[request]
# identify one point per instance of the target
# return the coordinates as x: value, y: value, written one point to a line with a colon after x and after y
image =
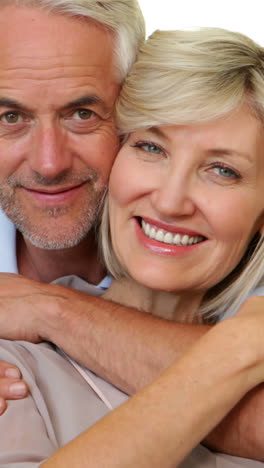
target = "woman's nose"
x: 175, y: 195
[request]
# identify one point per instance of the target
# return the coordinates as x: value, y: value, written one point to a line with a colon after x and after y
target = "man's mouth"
x: 167, y: 237
x: 54, y: 191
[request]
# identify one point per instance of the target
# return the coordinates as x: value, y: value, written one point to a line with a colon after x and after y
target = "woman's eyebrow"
x: 158, y: 132
x: 213, y: 151
x: 229, y: 152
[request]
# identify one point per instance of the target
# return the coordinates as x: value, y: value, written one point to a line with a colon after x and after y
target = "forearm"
x: 161, y: 424
x: 96, y: 332
x: 241, y: 432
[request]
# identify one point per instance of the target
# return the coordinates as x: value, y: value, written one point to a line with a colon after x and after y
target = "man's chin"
x: 47, y: 243
x: 56, y: 229
x: 56, y: 237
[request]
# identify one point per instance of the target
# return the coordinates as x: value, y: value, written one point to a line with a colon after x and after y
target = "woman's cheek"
x: 126, y: 181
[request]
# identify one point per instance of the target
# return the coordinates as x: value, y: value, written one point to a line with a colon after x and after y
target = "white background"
x: 246, y: 16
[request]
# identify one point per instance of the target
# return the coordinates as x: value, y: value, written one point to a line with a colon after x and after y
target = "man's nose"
x: 175, y: 195
x: 49, y: 153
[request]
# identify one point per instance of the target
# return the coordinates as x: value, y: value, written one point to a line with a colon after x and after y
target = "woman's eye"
x: 83, y: 114
x: 149, y: 147
x: 11, y: 117
x: 225, y: 172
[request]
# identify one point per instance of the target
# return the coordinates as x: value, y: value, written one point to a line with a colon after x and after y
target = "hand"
x: 12, y: 387
x: 241, y: 432
x: 25, y: 306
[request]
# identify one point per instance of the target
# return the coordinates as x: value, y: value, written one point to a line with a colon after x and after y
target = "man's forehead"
x: 55, y: 55
x: 32, y: 33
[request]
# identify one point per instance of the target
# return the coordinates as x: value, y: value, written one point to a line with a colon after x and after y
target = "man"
x: 58, y: 83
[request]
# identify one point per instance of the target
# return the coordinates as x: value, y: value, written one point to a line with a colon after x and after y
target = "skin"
x: 190, y: 180
x: 151, y: 194
x: 48, y: 311
x: 170, y: 416
x: 57, y: 138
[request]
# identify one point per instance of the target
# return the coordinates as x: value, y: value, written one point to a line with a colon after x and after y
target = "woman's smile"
x: 176, y: 236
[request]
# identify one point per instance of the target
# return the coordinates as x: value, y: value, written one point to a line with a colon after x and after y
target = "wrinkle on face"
x: 48, y: 62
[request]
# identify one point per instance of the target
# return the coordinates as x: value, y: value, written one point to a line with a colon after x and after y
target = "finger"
x: 3, y: 406
x: 12, y: 389
x: 8, y: 370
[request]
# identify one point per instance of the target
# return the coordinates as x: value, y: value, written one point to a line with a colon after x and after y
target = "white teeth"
x: 145, y: 227
x: 168, y: 237
x: 177, y: 239
x: 152, y: 233
x: 185, y: 240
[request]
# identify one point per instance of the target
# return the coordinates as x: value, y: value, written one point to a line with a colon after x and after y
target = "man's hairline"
x: 118, y: 73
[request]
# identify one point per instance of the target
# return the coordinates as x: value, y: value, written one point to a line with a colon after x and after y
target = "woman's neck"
x: 179, y: 308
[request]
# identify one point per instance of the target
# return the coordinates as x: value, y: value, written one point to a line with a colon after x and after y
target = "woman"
x: 181, y: 81
x: 190, y: 115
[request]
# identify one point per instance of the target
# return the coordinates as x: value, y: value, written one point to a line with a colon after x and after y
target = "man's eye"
x: 83, y: 114
x: 11, y: 117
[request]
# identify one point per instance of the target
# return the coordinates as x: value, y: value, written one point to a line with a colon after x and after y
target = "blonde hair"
x: 123, y: 17
x: 185, y: 77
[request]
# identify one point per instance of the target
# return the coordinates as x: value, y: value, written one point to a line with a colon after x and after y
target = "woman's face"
x: 185, y: 201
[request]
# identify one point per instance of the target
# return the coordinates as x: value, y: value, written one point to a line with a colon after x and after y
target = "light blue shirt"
x: 8, y: 261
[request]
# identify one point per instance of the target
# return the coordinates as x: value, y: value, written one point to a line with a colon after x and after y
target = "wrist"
x: 51, y: 321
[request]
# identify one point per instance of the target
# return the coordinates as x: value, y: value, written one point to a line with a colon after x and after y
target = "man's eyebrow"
x: 87, y: 100
x: 6, y: 102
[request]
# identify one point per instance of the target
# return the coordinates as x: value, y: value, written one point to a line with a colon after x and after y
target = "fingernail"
x: 18, y: 389
x: 12, y: 373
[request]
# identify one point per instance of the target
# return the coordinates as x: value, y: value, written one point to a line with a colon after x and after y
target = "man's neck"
x: 48, y: 265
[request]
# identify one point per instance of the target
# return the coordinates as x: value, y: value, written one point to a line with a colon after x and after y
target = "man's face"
x: 58, y: 85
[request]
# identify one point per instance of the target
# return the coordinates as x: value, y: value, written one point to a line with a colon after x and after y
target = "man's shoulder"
x: 257, y: 292
x: 75, y: 282
x: 8, y: 261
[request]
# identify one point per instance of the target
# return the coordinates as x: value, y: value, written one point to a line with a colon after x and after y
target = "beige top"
x: 61, y: 405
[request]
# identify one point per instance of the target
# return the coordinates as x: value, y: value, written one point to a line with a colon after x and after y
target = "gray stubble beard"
x: 59, y: 240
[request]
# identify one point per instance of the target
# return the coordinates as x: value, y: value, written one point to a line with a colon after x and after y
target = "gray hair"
x: 185, y: 77
x: 123, y: 17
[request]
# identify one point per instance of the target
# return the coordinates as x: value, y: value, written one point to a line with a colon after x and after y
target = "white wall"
x: 238, y: 15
